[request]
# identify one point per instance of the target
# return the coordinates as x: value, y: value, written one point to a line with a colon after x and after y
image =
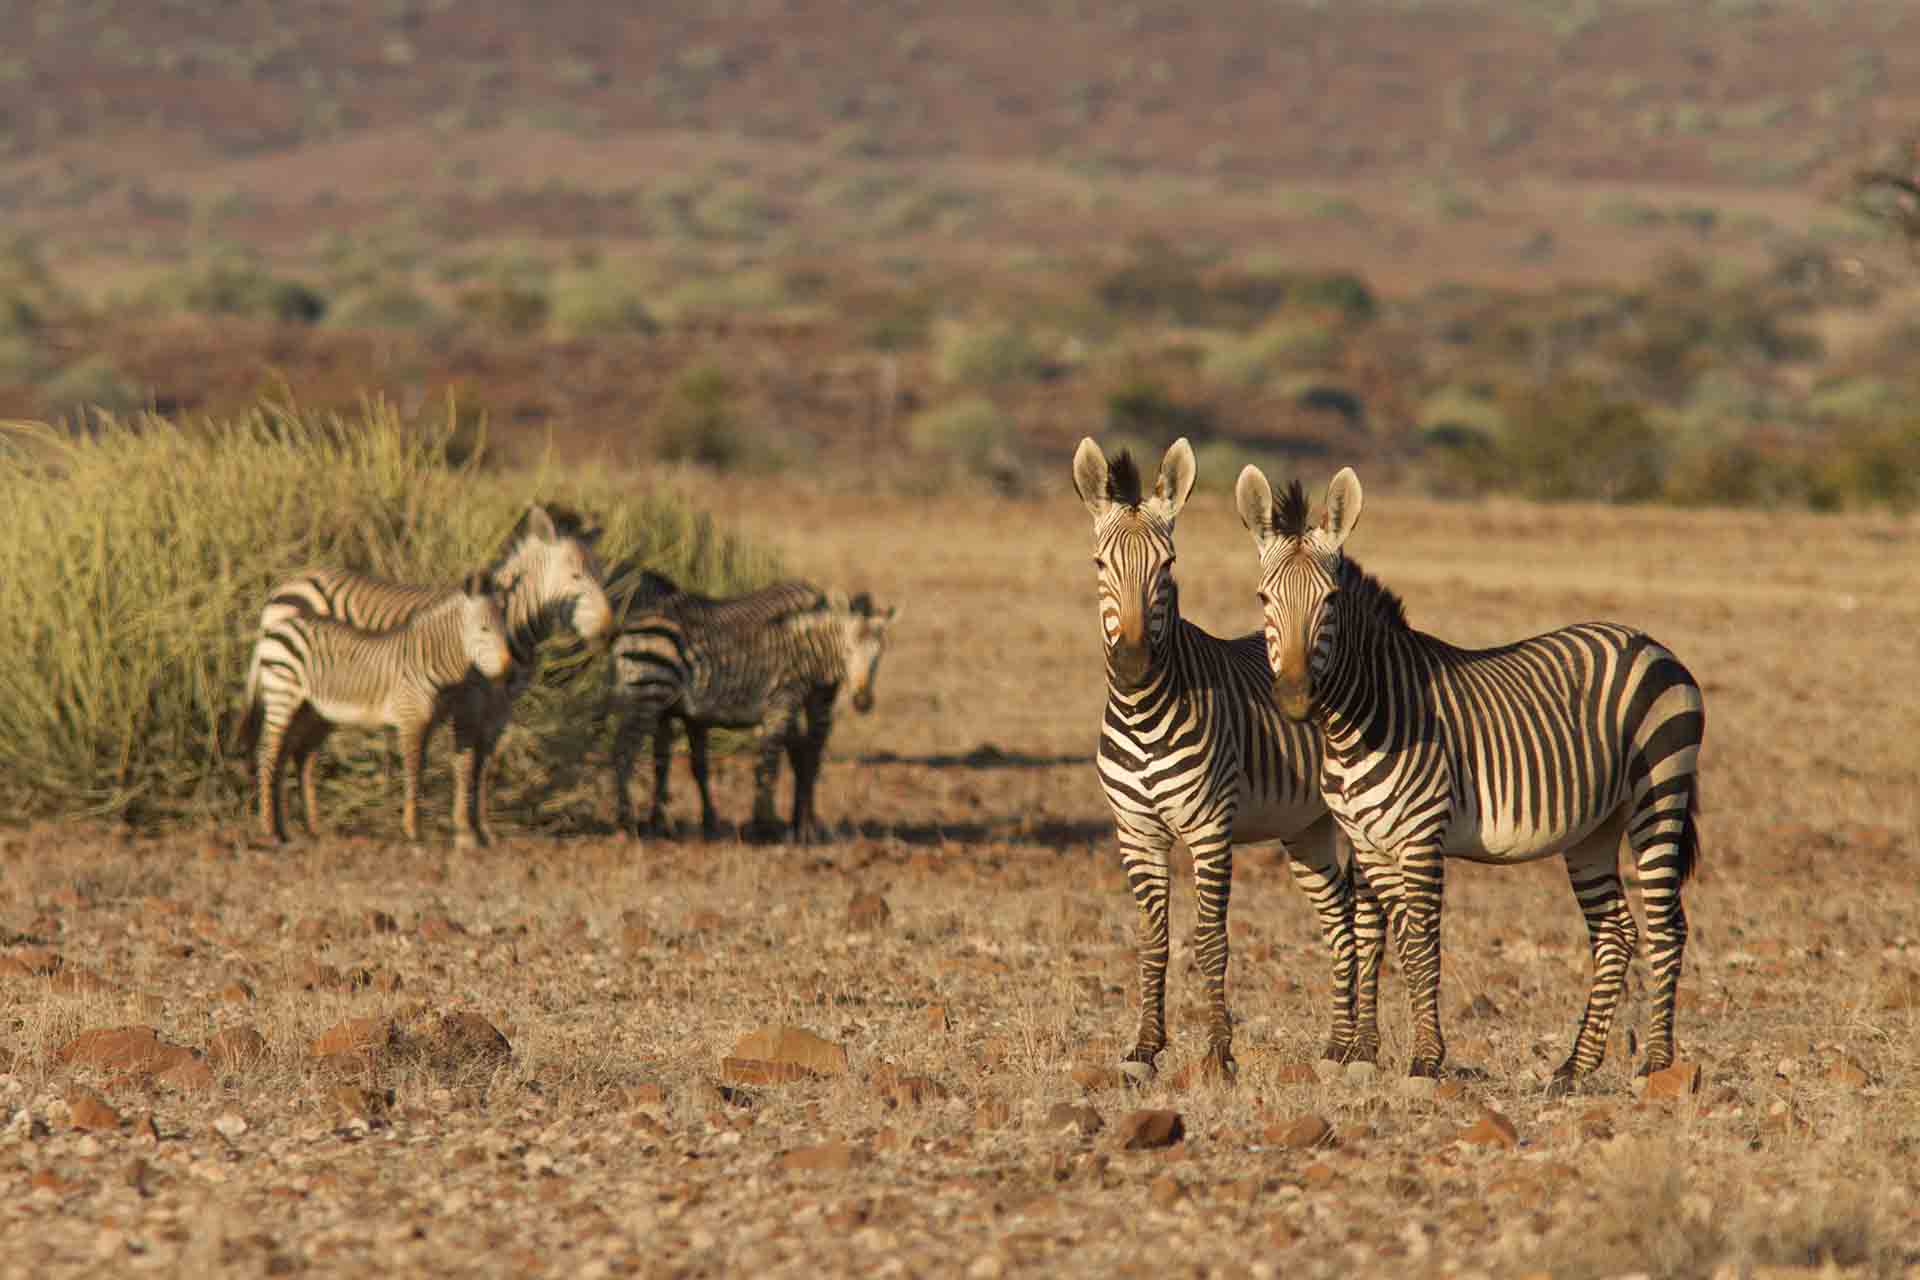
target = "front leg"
x: 468, y: 761
x: 697, y: 761
x: 641, y: 721
x: 1212, y: 889
x: 769, y: 745
x: 804, y: 753
x: 657, y: 821
x: 1423, y: 884
x: 305, y: 736
x: 1143, y: 856
x: 1315, y: 863
x: 413, y: 754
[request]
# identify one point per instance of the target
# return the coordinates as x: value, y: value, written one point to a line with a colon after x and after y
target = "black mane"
x: 1369, y: 593
x: 1123, y: 480
x: 567, y: 521
x: 1290, y: 513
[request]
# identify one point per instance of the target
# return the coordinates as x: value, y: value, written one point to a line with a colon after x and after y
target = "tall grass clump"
x: 141, y: 552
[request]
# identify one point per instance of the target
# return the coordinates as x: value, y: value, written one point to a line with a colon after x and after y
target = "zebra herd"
x: 1341, y: 714
x: 337, y: 647
x: 1339, y: 723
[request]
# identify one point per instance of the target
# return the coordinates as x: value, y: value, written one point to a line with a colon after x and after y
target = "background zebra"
x: 309, y: 674
x: 764, y: 661
x: 555, y: 581
x: 1560, y: 743
x: 1191, y: 748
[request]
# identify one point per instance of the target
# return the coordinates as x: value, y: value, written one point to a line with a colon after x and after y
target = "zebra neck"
x: 437, y: 648
x: 1164, y: 668
x: 1360, y: 681
x: 528, y: 623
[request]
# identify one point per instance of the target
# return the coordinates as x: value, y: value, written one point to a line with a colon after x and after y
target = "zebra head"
x: 1133, y: 552
x: 558, y: 575
x: 863, y: 636
x: 483, y: 624
x: 1300, y: 563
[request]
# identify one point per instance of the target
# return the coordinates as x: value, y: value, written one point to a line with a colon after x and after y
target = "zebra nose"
x: 863, y: 701
x: 1293, y: 698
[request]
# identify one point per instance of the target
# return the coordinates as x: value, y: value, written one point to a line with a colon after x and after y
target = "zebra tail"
x: 248, y: 734
x: 1690, y: 835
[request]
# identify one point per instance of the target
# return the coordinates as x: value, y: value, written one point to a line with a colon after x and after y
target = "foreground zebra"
x: 1192, y: 749
x: 1561, y: 743
x: 555, y: 581
x: 309, y: 674
x: 761, y: 661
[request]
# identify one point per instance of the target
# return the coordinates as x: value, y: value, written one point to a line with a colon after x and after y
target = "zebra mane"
x: 1290, y: 512
x: 1123, y: 480
x: 1371, y: 595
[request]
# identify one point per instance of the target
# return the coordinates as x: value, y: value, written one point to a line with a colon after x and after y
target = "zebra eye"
x: 1100, y: 564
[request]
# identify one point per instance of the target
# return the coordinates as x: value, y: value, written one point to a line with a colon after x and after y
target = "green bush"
x: 393, y: 306
x: 143, y: 552
x: 1570, y: 441
x: 697, y: 421
x: 593, y: 303
x: 973, y: 434
x: 238, y: 288
x: 90, y: 383
x: 987, y: 356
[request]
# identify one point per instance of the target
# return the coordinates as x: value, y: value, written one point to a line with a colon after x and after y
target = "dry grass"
x: 615, y: 968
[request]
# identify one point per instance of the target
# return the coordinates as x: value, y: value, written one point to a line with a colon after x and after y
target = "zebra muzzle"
x: 1293, y: 696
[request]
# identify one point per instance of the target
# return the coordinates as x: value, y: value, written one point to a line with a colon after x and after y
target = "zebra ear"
x: 1176, y: 480
x: 1254, y: 498
x: 540, y: 524
x: 1343, y: 507
x: 1090, y: 477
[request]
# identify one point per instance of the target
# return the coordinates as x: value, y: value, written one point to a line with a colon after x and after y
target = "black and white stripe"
x: 309, y: 674
x: 1191, y: 748
x: 1564, y: 743
x: 764, y: 661
x: 555, y: 582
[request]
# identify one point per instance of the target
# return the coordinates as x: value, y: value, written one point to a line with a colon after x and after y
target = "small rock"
x: 1146, y: 1130
x: 1450, y: 1091
x: 1595, y: 1125
x: 828, y: 1156
x: 1680, y: 1080
x: 1849, y: 1074
x: 362, y: 1039
x: 1296, y: 1073
x: 189, y: 1075
x: 1085, y: 1121
x: 236, y: 1047
x: 938, y: 1019
x: 89, y: 1111
x: 793, y: 1045
x: 139, y: 1050
x: 1095, y: 1079
x: 230, y: 1124
x: 1360, y: 1073
x: 236, y: 992
x: 867, y: 912
x: 463, y: 1038
x: 439, y: 928
x: 1166, y: 1191
x: 1491, y: 1130
x: 1302, y: 1133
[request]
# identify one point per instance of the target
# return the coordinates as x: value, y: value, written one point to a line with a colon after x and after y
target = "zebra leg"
x: 639, y: 722
x: 1315, y: 863
x: 304, y: 738
x: 804, y: 754
x: 697, y: 762
x: 498, y: 704
x: 1143, y: 855
x: 468, y: 758
x: 1370, y: 944
x: 269, y: 753
x: 1666, y: 844
x: 1422, y: 885
x: 768, y: 748
x: 1594, y: 868
x: 1212, y: 891
x: 658, y: 823
x: 413, y: 755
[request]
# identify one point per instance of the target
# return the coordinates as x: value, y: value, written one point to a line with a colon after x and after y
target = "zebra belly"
x: 1274, y: 817
x: 1509, y: 840
x: 362, y: 715
x: 1385, y: 819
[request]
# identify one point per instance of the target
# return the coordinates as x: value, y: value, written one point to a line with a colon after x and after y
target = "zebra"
x: 760, y: 661
x: 1192, y: 749
x: 556, y: 580
x: 1563, y: 743
x: 311, y: 673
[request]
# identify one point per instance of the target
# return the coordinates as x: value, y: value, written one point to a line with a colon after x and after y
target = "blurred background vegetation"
x: 1653, y: 252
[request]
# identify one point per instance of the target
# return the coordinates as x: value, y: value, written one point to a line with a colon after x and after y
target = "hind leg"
x: 268, y: 756
x: 1593, y: 866
x: 1143, y: 855
x: 697, y: 762
x: 1664, y: 843
x: 305, y: 736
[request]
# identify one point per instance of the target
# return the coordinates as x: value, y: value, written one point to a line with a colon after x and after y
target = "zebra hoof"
x: 1138, y: 1074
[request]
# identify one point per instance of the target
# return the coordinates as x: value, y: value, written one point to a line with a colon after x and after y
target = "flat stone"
x: 759, y: 1071
x: 827, y: 1157
x: 463, y: 1038
x: 1064, y: 1116
x: 1303, y: 1132
x: 1296, y: 1073
x: 1491, y: 1130
x: 1147, y: 1130
x: 1680, y: 1080
x: 89, y: 1111
x: 1095, y: 1079
x: 793, y: 1045
x: 138, y: 1050
x: 363, y: 1039
x: 191, y: 1075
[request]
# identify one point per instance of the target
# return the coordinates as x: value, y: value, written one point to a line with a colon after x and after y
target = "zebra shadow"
x: 984, y: 756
